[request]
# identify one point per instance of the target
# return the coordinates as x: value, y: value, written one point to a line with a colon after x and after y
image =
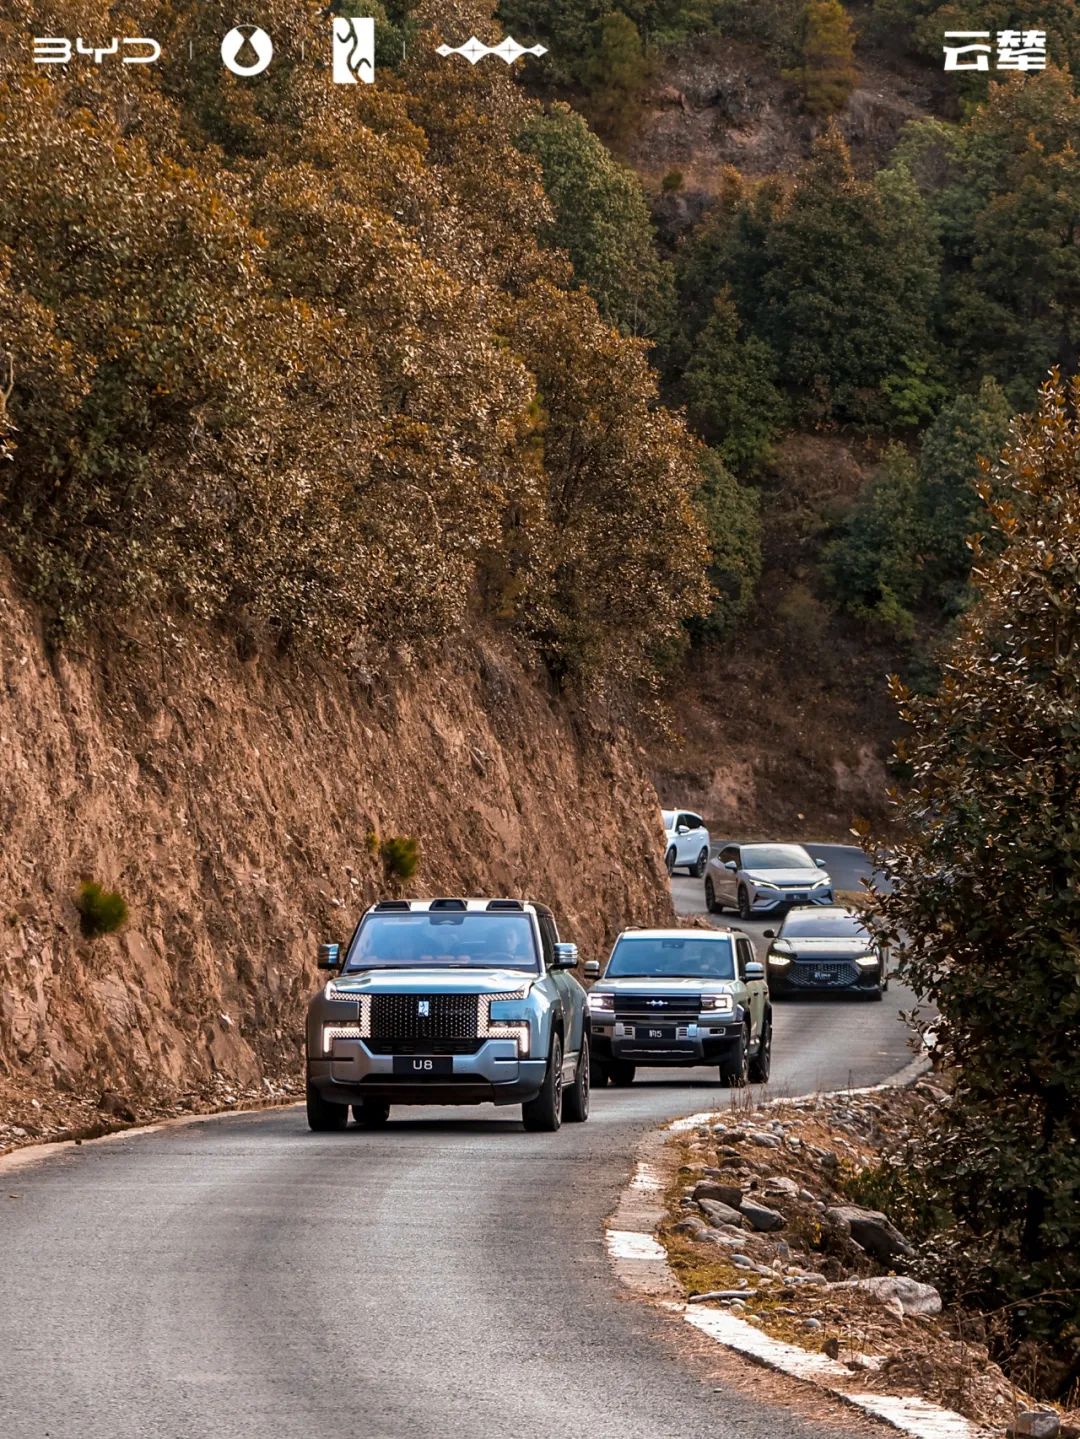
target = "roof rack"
x: 456, y: 904
x: 398, y: 904
x: 515, y: 904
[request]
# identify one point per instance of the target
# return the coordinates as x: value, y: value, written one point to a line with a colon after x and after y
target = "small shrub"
x: 101, y: 911
x: 371, y: 841
x: 672, y: 181
x: 400, y: 856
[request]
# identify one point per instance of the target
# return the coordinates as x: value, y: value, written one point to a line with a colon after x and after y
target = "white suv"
x: 686, y: 841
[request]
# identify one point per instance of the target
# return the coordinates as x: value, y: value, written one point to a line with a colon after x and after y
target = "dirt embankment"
x: 230, y: 802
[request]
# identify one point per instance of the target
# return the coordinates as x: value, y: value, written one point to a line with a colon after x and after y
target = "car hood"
x: 822, y: 948
x: 662, y: 986
x: 786, y: 876
x: 433, y: 981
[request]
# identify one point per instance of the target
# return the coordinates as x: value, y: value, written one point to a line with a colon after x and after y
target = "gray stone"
x: 693, y: 1225
x: 766, y: 1141
x: 871, y: 1231
x: 718, y: 1213
x: 780, y: 1184
x: 719, y: 1294
x: 761, y: 1217
x: 729, y: 1194
x: 811, y: 1324
x: 1036, y: 1424
x: 742, y: 1261
x: 893, y: 1289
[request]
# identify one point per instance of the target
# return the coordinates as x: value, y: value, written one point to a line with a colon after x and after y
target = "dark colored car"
x: 825, y: 949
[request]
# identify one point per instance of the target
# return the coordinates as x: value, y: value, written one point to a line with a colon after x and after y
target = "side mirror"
x: 328, y: 956
x: 592, y: 969
x: 730, y: 864
x: 682, y: 830
x: 820, y: 863
x: 754, y: 970
x: 566, y: 956
x: 768, y: 933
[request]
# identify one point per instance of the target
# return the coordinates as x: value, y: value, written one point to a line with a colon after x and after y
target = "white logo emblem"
x: 247, y: 50
x: 354, y: 51
x: 57, y: 50
x: 423, y: 1008
x: 474, y: 50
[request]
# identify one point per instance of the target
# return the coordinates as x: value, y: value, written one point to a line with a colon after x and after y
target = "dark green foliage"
x: 850, y: 276
x: 618, y: 73
x: 731, y: 393
x: 874, y: 566
x: 919, y: 26
x: 400, y: 855
x: 101, y: 911
x: 730, y: 512
x: 825, y: 74
x: 774, y: 25
x: 601, y: 217
x: 984, y: 903
x: 903, y: 545
x: 972, y: 427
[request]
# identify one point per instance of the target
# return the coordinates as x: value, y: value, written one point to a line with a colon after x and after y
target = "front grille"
x: 449, y: 1016
x: 645, y: 1007
x: 822, y: 974
x: 424, y: 1046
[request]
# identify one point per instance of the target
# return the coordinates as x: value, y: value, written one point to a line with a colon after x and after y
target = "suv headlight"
x: 330, y: 1032
x: 821, y: 883
x: 601, y: 1001
x: 764, y: 884
x: 720, y: 1002
x: 495, y: 1023
x: 868, y: 961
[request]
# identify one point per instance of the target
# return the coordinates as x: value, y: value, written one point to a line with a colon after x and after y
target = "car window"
x: 746, y: 953
x: 695, y: 821
x: 443, y: 940
x: 730, y: 851
x: 547, y: 939
x: 776, y: 856
x: 671, y: 957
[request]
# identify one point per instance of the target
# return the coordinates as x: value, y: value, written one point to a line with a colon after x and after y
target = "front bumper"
x: 769, y: 901
x: 707, y: 1041
x: 807, y: 976
x: 493, y: 1075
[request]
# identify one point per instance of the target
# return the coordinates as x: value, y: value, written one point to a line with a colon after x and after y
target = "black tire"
x: 875, y: 996
x: 745, y: 911
x: 669, y: 860
x: 712, y: 904
x: 544, y: 1113
x: 575, y: 1104
x: 371, y: 1113
x: 735, y: 1070
x: 622, y: 1073
x: 761, y: 1063
x: 322, y: 1116
x: 697, y: 870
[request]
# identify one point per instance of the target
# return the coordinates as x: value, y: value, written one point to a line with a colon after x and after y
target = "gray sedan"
x: 764, y: 878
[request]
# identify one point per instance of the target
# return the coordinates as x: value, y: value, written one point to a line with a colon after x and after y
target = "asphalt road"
x: 445, y: 1276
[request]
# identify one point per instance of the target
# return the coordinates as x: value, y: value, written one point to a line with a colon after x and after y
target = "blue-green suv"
x: 449, y: 1001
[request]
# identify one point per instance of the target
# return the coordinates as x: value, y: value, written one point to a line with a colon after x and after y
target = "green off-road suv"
x: 681, y: 997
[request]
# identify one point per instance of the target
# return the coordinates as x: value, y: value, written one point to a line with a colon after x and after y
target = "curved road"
x: 446, y: 1276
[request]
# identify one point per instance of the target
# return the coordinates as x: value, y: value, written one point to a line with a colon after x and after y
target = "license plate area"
x: 654, y: 1031
x: 423, y: 1066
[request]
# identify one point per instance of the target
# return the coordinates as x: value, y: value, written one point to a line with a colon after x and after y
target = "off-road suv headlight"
x: 494, y: 1023
x: 601, y: 1001
x: 722, y: 1002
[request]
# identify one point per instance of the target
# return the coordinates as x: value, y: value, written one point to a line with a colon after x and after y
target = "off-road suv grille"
x: 403, y: 1016
x: 656, y: 1007
x: 822, y: 974
x: 424, y: 1046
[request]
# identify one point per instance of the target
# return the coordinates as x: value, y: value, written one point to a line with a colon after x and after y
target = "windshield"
x: 824, y: 926
x: 668, y: 816
x: 444, y: 941
x: 689, y: 958
x: 775, y: 856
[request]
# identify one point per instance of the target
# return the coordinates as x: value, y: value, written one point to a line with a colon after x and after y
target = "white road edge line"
x: 640, y: 1262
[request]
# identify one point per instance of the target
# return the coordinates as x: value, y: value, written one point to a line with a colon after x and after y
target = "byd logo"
x: 58, y: 50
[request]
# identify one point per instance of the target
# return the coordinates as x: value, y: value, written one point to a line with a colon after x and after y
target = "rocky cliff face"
x: 230, y: 802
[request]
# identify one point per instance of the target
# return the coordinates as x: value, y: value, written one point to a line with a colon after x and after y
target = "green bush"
x: 400, y: 856
x: 101, y: 911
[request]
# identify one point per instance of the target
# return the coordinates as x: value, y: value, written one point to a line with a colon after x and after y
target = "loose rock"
x: 761, y: 1217
x: 912, y: 1297
x: 1036, y: 1424
x: 719, y: 1213
x: 729, y: 1194
x: 871, y: 1231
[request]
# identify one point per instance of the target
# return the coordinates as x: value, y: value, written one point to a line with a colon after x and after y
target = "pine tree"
x: 826, y: 74
x: 731, y: 393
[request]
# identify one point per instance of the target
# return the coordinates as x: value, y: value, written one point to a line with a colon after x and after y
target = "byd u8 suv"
x: 681, y: 997
x: 449, y: 1001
